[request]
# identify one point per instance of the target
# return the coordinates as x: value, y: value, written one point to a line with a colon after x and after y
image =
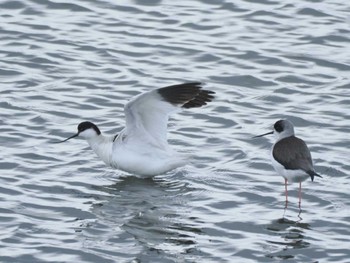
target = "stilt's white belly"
x: 291, y: 175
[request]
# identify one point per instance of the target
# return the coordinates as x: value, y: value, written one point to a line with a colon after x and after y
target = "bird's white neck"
x: 102, y: 146
x: 284, y: 134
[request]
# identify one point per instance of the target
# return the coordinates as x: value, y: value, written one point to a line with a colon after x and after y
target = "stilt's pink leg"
x: 286, y: 191
x: 299, y: 194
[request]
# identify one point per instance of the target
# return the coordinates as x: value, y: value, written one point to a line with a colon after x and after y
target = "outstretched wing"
x: 147, y: 114
x: 293, y: 154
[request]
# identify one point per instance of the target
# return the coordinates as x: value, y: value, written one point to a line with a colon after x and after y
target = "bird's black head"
x: 87, y: 130
x: 85, y: 125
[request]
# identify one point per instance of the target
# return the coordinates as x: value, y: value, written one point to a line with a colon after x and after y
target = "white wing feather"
x: 147, y: 118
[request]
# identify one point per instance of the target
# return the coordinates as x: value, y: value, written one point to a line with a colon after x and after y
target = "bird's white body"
x: 142, y: 148
x: 141, y: 159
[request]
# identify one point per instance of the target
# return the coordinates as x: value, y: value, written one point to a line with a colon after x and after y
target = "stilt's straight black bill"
x: 261, y: 135
x: 75, y: 135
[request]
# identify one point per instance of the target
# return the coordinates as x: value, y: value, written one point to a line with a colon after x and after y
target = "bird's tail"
x: 313, y: 174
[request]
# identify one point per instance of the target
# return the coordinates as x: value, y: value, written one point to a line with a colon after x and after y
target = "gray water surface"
x: 65, y: 62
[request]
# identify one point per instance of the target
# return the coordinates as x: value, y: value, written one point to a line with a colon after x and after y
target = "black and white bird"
x: 290, y: 155
x: 141, y: 147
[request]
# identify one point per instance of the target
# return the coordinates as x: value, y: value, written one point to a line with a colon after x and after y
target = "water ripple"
x: 62, y: 63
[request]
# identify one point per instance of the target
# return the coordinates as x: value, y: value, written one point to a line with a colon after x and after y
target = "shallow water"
x: 62, y: 63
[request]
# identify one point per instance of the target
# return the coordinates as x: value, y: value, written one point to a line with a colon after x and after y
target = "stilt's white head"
x: 281, y: 129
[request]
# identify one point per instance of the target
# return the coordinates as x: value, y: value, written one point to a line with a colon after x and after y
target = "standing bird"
x: 141, y: 147
x: 290, y: 156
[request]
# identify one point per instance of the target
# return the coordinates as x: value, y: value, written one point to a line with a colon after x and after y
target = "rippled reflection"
x: 291, y: 237
x: 153, y: 211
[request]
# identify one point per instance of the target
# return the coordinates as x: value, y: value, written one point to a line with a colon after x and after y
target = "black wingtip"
x: 188, y: 95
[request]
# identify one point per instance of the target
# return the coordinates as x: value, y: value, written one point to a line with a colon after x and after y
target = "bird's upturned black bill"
x: 75, y: 135
x: 261, y: 135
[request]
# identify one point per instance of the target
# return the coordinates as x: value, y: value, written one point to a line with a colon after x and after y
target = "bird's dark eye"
x: 279, y: 127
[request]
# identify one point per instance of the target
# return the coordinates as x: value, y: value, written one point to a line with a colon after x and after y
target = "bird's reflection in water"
x: 291, y: 237
x: 153, y: 211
